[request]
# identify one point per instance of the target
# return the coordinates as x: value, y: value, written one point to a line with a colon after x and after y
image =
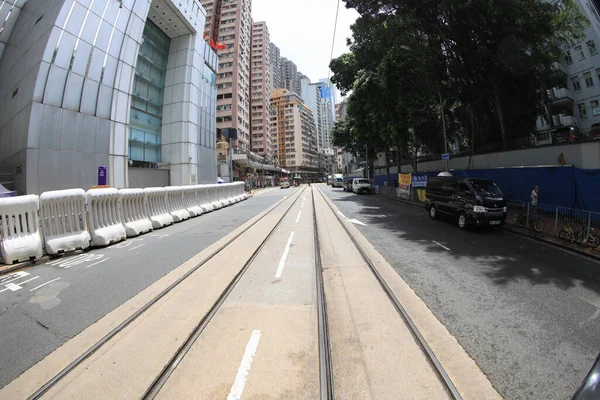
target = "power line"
x: 337, y: 11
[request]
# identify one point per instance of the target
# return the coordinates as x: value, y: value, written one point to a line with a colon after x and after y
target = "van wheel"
x: 433, y: 212
x: 462, y: 220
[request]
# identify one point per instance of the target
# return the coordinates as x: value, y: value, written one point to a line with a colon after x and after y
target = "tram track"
x: 172, y: 364
x: 326, y: 364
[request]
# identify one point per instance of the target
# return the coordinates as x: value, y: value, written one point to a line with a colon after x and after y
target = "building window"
x: 591, y: 47
x: 582, y: 110
x: 576, y: 85
x: 579, y: 51
x: 595, y: 108
x: 589, y: 81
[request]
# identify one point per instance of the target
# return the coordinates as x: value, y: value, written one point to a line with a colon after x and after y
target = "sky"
x: 303, y: 31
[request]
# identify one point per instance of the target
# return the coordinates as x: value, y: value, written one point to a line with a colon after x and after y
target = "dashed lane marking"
x: 44, y: 284
x: 441, y: 245
x: 244, y: 370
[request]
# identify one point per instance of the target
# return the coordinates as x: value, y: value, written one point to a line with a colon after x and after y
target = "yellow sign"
x: 405, y: 179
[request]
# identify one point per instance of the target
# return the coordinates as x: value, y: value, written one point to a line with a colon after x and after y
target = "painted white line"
x: 244, y: 370
x: 13, y: 287
x: 302, y: 206
x: 96, y: 263
x: 343, y: 216
x: 137, y: 247
x: 441, y: 245
x: 284, y: 256
x: 14, y: 277
x: 43, y: 284
x: 355, y: 221
x: 299, y: 214
x: 28, y: 280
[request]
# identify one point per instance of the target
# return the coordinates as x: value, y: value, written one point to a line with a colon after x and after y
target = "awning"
x: 4, y: 192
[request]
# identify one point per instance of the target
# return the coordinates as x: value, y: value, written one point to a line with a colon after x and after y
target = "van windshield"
x: 337, y: 180
x: 362, y: 181
x: 486, y: 188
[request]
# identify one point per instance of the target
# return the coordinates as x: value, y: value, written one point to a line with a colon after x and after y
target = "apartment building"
x: 319, y: 99
x: 296, y: 133
x: 129, y: 86
x: 575, y: 97
x: 229, y: 23
x: 260, y: 91
x: 276, y: 67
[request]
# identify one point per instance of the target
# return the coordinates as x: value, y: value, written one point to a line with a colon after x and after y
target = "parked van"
x: 360, y: 185
x: 475, y: 202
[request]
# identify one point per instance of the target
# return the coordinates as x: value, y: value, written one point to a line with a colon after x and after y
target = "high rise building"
x: 296, y: 133
x: 229, y: 23
x: 276, y: 67
x: 129, y: 85
x: 260, y: 89
x: 318, y: 98
x: 291, y: 76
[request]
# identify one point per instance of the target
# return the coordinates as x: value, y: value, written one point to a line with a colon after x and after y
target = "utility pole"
x: 230, y: 161
x: 444, y: 126
x: 367, y: 162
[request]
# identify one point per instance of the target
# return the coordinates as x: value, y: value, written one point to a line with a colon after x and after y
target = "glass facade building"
x: 130, y: 85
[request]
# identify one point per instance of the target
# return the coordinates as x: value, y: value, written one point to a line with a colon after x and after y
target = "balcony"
x: 561, y: 97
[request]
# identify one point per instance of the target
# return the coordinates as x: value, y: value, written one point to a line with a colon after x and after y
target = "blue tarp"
x: 559, y: 186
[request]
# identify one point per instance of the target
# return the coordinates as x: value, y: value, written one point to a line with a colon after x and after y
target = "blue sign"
x: 325, y: 92
x: 445, y: 157
x: 102, y: 175
x: 419, y: 181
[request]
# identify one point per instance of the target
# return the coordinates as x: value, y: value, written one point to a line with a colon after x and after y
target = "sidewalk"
x: 551, y: 240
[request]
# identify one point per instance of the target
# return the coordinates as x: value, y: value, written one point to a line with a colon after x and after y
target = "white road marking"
x: 343, y: 216
x: 284, y: 256
x: 355, y: 221
x: 28, y: 280
x: 44, y: 284
x: 302, y: 206
x: 159, y: 236
x: 96, y: 263
x: 299, y: 214
x: 12, y: 287
x: 441, y: 245
x: 244, y: 370
x: 137, y: 247
x: 13, y: 277
x: 126, y: 243
x: 76, y: 261
x: 63, y: 261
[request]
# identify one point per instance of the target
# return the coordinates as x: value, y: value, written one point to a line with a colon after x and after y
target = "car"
x: 361, y: 185
x: 469, y: 201
x: 338, y: 182
x: 348, y: 184
x: 285, y: 184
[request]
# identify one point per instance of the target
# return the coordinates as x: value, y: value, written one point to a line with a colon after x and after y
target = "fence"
x: 67, y: 220
x: 569, y: 224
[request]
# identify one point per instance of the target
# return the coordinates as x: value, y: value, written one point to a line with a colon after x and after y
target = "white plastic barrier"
x: 64, y: 220
x: 213, y: 195
x: 136, y: 218
x: 191, y: 202
x: 175, y: 204
x: 106, y: 222
x: 240, y: 192
x: 157, y: 207
x: 20, y: 237
x: 223, y: 190
x: 203, y: 195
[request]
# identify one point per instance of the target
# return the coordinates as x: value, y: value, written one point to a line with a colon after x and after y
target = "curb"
x: 576, y: 249
x: 7, y: 269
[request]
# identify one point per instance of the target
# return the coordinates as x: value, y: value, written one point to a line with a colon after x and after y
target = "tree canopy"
x: 486, y: 60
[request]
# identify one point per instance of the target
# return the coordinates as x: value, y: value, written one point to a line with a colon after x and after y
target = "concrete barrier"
x: 157, y: 207
x: 106, y: 221
x: 64, y: 221
x: 203, y: 195
x: 191, y: 201
x: 136, y: 212
x: 175, y: 204
x: 20, y: 236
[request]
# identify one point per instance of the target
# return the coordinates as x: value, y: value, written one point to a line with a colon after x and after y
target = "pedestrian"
x: 534, y: 198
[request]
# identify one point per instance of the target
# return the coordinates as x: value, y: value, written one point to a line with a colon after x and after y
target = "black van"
x: 477, y: 202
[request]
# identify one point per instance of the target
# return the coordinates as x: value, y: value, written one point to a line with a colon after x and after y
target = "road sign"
x: 102, y: 175
x: 445, y: 157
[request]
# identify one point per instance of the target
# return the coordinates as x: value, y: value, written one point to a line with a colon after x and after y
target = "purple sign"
x: 102, y: 175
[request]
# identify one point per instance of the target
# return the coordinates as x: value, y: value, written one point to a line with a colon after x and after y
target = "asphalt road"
x: 527, y: 313
x: 80, y: 289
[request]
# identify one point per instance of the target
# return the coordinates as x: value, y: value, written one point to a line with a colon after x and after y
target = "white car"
x: 285, y: 184
x: 360, y: 185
